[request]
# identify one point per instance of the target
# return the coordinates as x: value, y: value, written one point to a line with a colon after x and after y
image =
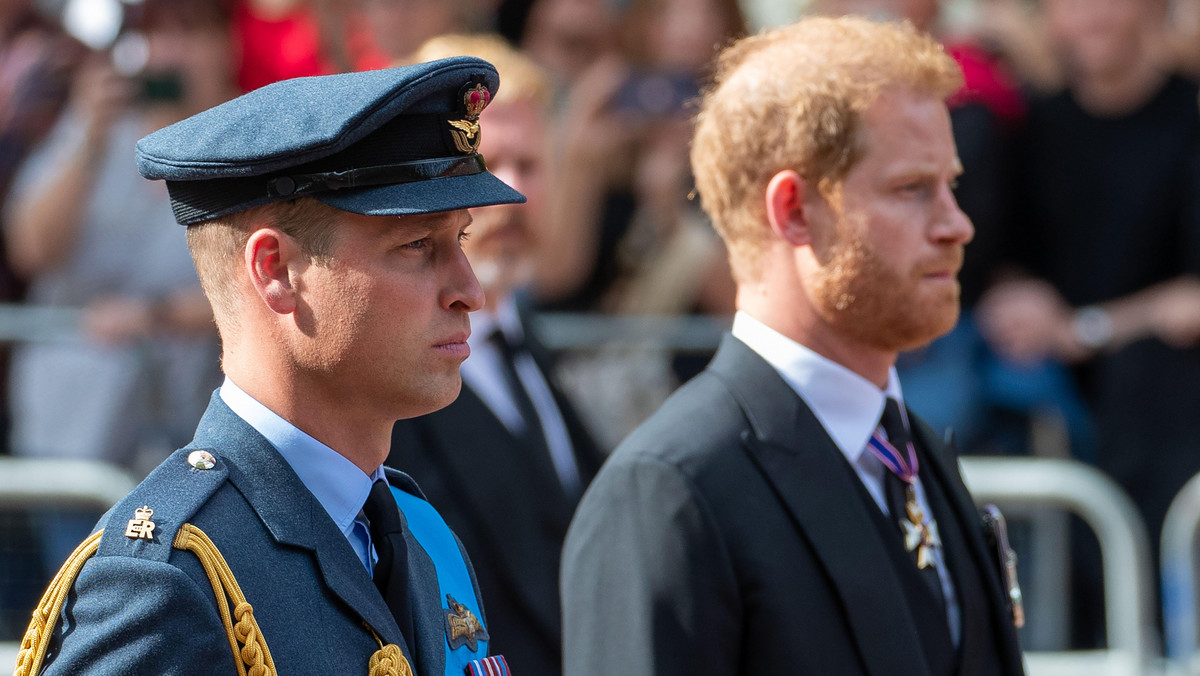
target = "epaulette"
x: 150, y: 523
x: 144, y: 524
x: 177, y: 489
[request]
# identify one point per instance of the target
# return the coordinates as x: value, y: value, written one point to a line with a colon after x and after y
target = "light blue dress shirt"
x: 338, y: 484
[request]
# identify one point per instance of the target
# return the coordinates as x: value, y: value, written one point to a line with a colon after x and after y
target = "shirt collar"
x: 847, y: 405
x: 338, y: 484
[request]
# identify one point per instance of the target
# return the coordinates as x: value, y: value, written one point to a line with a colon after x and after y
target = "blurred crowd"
x: 1078, y: 127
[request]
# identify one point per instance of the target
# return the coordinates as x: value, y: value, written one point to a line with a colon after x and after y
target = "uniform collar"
x: 847, y: 405
x: 338, y: 484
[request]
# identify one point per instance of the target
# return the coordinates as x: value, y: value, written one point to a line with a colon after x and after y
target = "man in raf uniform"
x: 505, y: 464
x: 325, y: 217
x: 783, y: 512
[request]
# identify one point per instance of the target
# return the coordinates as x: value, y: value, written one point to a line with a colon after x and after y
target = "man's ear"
x: 269, y: 256
x: 785, y: 208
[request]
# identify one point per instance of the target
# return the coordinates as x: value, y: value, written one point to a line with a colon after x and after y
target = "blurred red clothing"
x: 276, y: 49
x: 985, y: 81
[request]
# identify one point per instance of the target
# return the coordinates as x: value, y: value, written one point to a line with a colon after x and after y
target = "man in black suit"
x: 783, y: 512
x: 506, y: 463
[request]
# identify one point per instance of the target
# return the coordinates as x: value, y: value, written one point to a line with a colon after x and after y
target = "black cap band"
x: 299, y: 185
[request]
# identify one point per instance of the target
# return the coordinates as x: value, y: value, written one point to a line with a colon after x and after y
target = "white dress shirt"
x: 483, y: 372
x: 849, y: 407
x: 338, y: 484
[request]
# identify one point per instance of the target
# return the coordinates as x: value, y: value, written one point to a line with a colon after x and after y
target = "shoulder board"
x: 144, y: 523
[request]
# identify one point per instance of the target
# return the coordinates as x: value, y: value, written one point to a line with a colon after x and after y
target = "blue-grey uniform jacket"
x: 142, y: 607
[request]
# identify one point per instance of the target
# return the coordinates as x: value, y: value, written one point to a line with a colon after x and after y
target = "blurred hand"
x: 1174, y: 312
x: 1027, y: 320
x: 594, y: 133
x: 100, y: 94
x: 115, y: 320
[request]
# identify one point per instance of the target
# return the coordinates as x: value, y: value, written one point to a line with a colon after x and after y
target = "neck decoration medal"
x: 920, y: 532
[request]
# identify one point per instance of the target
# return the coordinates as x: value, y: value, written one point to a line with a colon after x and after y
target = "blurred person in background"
x: 88, y: 233
x: 393, y: 30
x: 1106, y: 243
x: 632, y: 243
x: 281, y: 39
x: 506, y: 463
x: 569, y: 37
x: 37, y: 65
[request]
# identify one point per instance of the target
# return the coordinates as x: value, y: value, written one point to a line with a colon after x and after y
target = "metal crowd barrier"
x: 78, y: 484
x: 1180, y: 566
x: 1022, y: 487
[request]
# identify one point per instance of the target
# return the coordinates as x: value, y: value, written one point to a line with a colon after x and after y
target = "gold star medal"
x: 920, y: 533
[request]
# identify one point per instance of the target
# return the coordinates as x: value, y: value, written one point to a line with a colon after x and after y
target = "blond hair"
x: 520, y: 77
x: 793, y: 98
x: 217, y: 245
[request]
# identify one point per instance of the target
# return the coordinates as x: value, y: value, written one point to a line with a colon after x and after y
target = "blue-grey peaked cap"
x: 382, y: 143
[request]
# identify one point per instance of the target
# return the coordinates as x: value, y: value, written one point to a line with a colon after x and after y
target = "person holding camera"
x: 87, y: 232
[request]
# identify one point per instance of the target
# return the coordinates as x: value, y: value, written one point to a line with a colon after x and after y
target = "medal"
x: 920, y: 534
x: 920, y: 531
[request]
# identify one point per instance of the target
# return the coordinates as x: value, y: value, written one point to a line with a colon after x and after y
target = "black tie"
x: 895, y: 490
x: 509, y: 351
x: 391, y: 571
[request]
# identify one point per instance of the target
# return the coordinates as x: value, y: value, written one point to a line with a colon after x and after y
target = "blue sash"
x: 438, y: 542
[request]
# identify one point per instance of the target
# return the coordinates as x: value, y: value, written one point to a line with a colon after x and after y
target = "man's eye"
x: 418, y: 244
x: 463, y: 236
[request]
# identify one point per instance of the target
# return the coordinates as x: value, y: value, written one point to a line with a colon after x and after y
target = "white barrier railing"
x: 26, y: 482
x: 1025, y: 485
x: 1180, y: 536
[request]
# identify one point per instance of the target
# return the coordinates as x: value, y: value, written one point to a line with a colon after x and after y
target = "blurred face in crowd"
x: 189, y: 60
x: 922, y: 13
x: 888, y: 259
x: 399, y: 27
x: 566, y: 36
x: 683, y: 35
x: 504, y: 237
x: 381, y: 322
x: 1100, y: 37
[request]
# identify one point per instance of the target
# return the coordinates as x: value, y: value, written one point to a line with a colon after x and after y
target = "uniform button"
x: 201, y: 460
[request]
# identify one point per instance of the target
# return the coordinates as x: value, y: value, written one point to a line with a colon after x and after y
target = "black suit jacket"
x: 728, y: 535
x: 508, y: 507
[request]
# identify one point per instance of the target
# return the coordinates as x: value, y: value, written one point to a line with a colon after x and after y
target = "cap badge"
x: 140, y: 527
x: 466, y: 132
x: 462, y: 627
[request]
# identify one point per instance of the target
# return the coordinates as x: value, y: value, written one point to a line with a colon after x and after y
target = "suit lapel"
x: 291, y: 513
x: 943, y: 462
x: 811, y: 477
x: 505, y: 504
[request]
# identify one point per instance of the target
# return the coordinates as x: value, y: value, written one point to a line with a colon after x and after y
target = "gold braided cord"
x: 45, y: 616
x: 245, y: 639
x: 388, y: 660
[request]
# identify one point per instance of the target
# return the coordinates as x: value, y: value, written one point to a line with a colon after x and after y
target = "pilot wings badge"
x: 466, y: 132
x: 462, y: 627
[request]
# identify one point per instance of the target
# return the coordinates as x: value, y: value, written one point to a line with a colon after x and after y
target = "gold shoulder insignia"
x: 140, y: 527
x: 462, y: 627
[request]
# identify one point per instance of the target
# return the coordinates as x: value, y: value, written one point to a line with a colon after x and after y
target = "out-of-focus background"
x: 1072, y: 381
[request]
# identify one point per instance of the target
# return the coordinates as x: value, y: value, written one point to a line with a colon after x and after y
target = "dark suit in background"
x: 503, y: 498
x: 729, y: 535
